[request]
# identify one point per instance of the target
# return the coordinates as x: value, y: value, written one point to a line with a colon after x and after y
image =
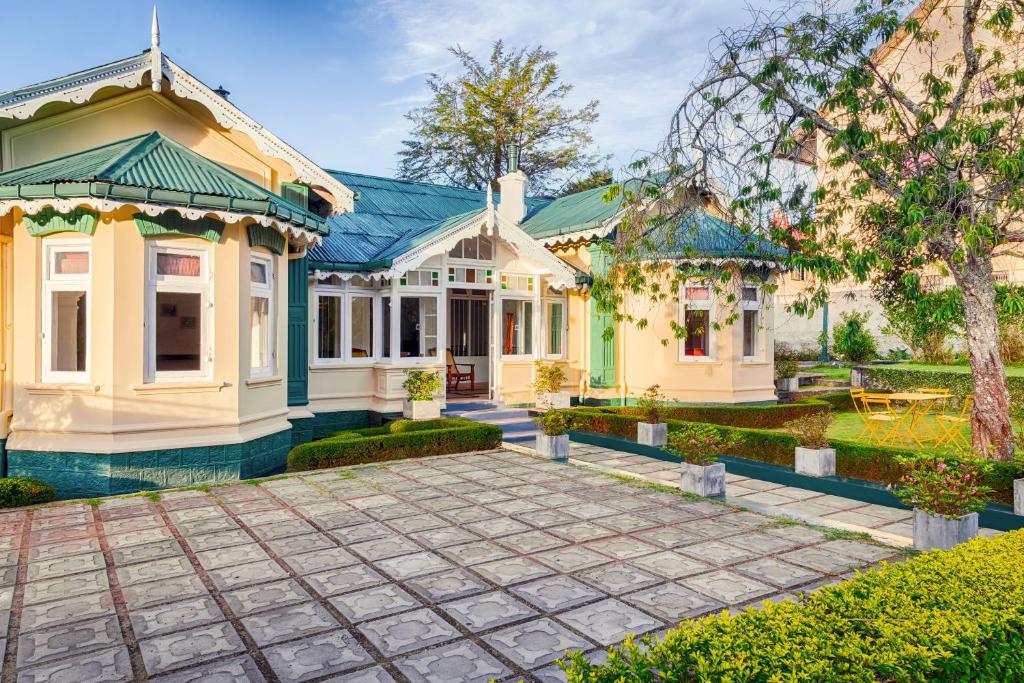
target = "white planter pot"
x: 1018, y: 496
x: 816, y: 462
x: 652, y: 434
x: 556, y: 400
x: 554, y: 447
x: 787, y: 384
x: 935, y: 532
x: 421, y: 410
x: 704, y: 480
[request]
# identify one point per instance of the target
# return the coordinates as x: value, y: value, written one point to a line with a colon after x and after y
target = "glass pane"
x: 418, y: 327
x: 486, y: 252
x: 480, y: 325
x: 697, y: 293
x: 178, y: 331
x: 527, y: 327
x: 469, y: 248
x: 180, y: 265
x: 555, y: 329
x: 696, y: 343
x: 71, y: 263
x: 385, y: 317
x: 516, y: 327
x: 750, y: 293
x: 458, y: 327
x: 259, y: 324
x: 750, y: 333
x: 362, y: 327
x: 67, y: 338
x: 258, y: 272
x: 329, y: 326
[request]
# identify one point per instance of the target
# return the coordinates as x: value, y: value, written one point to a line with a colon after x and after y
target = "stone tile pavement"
x: 461, y: 568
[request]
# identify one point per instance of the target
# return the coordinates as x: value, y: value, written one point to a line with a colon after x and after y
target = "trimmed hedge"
x: 854, y: 460
x: 942, y: 616
x: 18, y: 491
x: 959, y: 382
x: 395, y: 441
x: 755, y: 417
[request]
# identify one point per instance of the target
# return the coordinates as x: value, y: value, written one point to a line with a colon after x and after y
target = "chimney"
x: 512, y: 185
x: 222, y: 91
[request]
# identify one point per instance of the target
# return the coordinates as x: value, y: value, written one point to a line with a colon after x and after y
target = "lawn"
x: 849, y: 427
x: 830, y: 372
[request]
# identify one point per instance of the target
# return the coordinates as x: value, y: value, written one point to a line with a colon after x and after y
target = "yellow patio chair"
x: 952, y: 426
x: 882, y: 422
x: 856, y: 396
x: 924, y: 409
x: 943, y: 395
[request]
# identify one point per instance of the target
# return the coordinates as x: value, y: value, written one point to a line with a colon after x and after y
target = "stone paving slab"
x: 460, y: 568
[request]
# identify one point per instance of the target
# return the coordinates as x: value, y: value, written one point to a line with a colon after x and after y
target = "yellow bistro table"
x: 919, y: 404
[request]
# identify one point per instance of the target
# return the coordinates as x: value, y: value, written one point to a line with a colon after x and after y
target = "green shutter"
x: 49, y: 222
x: 263, y: 236
x: 602, y: 350
x: 298, y: 332
x: 296, y: 194
x: 173, y: 223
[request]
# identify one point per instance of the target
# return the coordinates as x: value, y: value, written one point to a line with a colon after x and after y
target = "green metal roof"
x: 151, y: 168
x: 701, y: 235
x: 584, y: 210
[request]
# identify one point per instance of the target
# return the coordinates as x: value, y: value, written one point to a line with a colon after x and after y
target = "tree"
x: 594, y: 179
x: 911, y: 120
x: 517, y: 96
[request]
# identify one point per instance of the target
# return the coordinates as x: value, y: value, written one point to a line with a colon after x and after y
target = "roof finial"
x: 156, y: 60
x: 490, y: 207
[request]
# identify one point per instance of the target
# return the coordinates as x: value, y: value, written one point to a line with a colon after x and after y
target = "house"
x: 185, y: 296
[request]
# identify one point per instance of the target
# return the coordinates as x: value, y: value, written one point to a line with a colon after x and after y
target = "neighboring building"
x: 185, y: 297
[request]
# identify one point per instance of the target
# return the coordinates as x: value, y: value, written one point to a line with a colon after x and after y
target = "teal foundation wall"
x: 320, y: 425
x: 75, y: 475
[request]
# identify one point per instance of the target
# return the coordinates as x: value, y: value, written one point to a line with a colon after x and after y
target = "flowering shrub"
x: 553, y: 423
x: 700, y: 444
x: 421, y: 385
x: 811, y: 431
x: 549, y: 379
x: 649, y: 404
x: 943, y: 488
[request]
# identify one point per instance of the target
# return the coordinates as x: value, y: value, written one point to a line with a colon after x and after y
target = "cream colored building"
x: 185, y: 296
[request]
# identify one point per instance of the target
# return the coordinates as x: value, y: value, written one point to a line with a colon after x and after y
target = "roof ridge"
x: 404, y: 181
x: 134, y: 154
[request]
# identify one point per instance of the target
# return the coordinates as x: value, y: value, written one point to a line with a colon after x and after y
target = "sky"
x: 334, y: 78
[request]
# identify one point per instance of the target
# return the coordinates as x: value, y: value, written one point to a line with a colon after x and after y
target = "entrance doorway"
x: 469, y: 343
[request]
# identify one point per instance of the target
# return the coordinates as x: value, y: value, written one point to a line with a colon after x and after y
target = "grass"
x: 831, y: 372
x: 848, y: 426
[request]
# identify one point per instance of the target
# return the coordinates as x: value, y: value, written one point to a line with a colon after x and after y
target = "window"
x: 385, y: 316
x: 468, y: 323
x: 261, y: 322
x: 66, y: 286
x: 697, y: 322
x: 517, y: 281
x: 751, y: 308
x: 179, y: 301
x: 516, y: 327
x: 421, y: 278
x: 328, y: 326
x: 417, y: 327
x: 477, y: 248
x: 555, y: 317
x: 361, y: 326
x: 345, y: 324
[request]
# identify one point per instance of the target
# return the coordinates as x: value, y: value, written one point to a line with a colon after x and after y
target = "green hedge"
x: 959, y: 382
x: 956, y: 615
x: 855, y: 460
x: 18, y: 491
x: 395, y: 441
x: 762, y: 417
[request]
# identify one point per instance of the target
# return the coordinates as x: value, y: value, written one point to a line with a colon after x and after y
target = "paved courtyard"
x: 461, y: 568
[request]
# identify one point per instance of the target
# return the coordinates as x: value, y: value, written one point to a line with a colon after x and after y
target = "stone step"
x: 489, y: 415
x: 522, y: 438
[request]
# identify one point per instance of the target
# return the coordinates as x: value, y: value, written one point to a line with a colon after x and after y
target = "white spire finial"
x: 156, y: 74
x: 490, y: 207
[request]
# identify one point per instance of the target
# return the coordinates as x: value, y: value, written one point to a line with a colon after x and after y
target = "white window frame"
x: 266, y: 291
x: 53, y: 282
x: 202, y: 285
x: 438, y: 294
x: 535, y: 305
x: 697, y: 305
x: 754, y: 305
x: 547, y: 303
x: 346, y: 294
x: 463, y: 261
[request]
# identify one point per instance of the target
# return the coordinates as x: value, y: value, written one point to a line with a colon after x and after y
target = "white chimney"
x: 512, y: 185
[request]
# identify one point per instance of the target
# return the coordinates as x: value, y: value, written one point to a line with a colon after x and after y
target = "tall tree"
x: 594, y: 179
x: 516, y: 96
x: 910, y: 117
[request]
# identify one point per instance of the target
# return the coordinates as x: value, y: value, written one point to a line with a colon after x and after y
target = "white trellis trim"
x: 31, y: 206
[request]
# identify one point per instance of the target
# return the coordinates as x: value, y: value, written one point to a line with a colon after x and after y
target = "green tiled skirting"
x: 320, y: 425
x: 101, y: 474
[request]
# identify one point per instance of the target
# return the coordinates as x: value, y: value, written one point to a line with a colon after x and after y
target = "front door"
x: 469, y: 340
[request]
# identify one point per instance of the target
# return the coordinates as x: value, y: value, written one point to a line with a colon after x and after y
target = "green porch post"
x: 298, y: 335
x: 823, y: 358
x: 602, y: 350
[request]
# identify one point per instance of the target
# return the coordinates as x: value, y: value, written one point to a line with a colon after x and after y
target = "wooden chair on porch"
x: 456, y: 375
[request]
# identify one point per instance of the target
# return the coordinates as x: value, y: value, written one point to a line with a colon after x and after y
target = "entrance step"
x: 515, y: 423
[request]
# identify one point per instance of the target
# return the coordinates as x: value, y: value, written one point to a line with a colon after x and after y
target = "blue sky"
x: 334, y: 77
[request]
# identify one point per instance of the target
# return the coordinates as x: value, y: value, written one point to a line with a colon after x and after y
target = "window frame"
x: 520, y: 300
x: 266, y: 291
x: 465, y: 261
x: 751, y: 305
x: 51, y: 283
x: 202, y: 285
x: 547, y: 303
x: 707, y: 305
x: 346, y: 293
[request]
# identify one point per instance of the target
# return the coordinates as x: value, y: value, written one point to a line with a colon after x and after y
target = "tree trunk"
x: 990, y: 423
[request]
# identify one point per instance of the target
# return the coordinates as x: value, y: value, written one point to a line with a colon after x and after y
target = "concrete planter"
x: 421, y: 410
x: 704, y: 480
x: 556, y: 400
x: 816, y: 462
x: 554, y: 447
x: 1018, y: 496
x: 787, y: 384
x: 935, y: 532
x: 652, y: 434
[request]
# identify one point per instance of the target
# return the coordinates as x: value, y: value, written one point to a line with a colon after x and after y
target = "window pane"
x: 329, y: 326
x: 67, y: 338
x: 385, y: 317
x: 750, y: 333
x: 696, y: 343
x: 459, y: 327
x: 259, y: 324
x: 486, y: 251
x: 750, y: 293
x: 180, y: 265
x: 527, y: 327
x: 480, y: 335
x: 697, y: 293
x: 418, y: 320
x: 517, y: 327
x: 258, y: 272
x: 555, y: 329
x: 71, y: 263
x: 362, y: 327
x: 178, y: 331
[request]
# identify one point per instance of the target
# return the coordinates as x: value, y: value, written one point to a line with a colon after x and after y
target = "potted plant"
x: 421, y: 388
x: 813, y: 456
x: 786, y: 369
x: 553, y: 440
x: 946, y: 497
x: 699, y: 446
x: 652, y: 431
x: 547, y: 386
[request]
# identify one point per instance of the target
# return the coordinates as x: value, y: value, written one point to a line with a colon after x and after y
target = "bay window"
x: 696, y: 321
x: 361, y: 326
x: 178, y: 320
x: 345, y: 322
x: 417, y: 327
x: 555, y: 319
x: 261, y: 321
x: 66, y: 306
x: 516, y: 327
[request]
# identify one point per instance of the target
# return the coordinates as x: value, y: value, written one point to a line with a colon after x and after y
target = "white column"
x: 394, y: 322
